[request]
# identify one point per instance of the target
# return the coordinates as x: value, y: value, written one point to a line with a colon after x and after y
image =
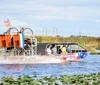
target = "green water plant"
x: 82, y: 79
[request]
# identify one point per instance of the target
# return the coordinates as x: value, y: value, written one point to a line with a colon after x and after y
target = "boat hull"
x: 42, y: 59
x: 72, y: 56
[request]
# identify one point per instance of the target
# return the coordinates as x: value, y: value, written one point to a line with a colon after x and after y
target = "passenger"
x: 54, y: 49
x: 29, y: 41
x: 58, y: 50
x: 48, y: 50
x: 26, y: 44
x: 63, y: 49
x: 68, y: 49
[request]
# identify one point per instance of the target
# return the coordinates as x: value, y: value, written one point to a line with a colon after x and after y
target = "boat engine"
x: 15, y: 42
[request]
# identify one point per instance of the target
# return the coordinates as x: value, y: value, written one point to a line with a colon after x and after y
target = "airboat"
x: 19, y: 44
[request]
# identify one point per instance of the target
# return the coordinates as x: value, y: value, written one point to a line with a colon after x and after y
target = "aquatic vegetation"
x: 83, y: 79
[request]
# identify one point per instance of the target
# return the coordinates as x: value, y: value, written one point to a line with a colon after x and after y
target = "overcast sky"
x: 70, y: 17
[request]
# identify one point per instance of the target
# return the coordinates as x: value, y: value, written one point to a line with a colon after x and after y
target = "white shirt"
x: 48, y: 50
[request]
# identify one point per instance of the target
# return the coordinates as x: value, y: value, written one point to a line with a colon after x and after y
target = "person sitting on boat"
x: 29, y: 41
x: 63, y: 50
x: 26, y: 44
x: 48, y: 50
x: 58, y: 50
x: 68, y: 49
x: 54, y: 49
